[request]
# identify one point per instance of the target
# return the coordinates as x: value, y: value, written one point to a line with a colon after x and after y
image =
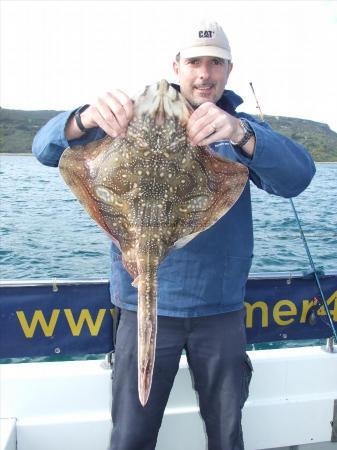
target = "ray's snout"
x: 163, y: 87
x: 162, y: 101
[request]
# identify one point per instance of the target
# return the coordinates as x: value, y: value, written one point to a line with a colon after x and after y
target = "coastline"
x: 16, y: 154
x: 30, y: 154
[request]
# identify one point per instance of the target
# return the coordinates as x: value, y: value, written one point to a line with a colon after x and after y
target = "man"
x: 200, y: 286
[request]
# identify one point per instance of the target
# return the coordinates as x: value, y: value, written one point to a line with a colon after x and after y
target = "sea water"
x: 45, y: 232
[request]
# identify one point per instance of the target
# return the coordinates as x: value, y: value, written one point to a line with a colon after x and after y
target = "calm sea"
x: 45, y: 233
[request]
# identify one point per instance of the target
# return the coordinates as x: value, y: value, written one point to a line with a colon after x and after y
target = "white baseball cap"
x: 205, y: 39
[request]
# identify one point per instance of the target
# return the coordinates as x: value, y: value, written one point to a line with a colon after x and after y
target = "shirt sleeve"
x: 50, y: 141
x: 279, y: 165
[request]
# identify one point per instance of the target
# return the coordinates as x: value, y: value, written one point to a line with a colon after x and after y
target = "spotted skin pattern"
x: 152, y: 191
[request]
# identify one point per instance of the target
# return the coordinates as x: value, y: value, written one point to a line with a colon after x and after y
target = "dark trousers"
x: 216, y: 352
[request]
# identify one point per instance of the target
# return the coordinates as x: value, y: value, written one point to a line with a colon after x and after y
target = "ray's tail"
x: 147, y: 331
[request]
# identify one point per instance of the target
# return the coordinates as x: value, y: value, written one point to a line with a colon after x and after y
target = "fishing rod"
x: 312, y: 264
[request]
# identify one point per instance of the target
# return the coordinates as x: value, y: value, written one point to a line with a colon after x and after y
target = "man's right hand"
x: 112, y: 112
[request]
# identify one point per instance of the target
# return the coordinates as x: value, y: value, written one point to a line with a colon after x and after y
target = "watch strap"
x: 248, y: 133
x: 78, y: 119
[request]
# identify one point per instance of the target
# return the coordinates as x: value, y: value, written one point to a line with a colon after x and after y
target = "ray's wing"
x: 85, y: 169
x: 216, y: 186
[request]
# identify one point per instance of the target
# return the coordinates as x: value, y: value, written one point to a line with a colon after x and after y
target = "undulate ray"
x: 152, y: 191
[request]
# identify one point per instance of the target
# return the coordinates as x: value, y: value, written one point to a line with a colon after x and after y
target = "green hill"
x: 317, y: 137
x: 17, y: 129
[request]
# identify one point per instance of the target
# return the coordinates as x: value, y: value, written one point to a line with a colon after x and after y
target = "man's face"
x: 202, y: 79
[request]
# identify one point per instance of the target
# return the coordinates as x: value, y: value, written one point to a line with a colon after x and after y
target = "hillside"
x: 317, y: 137
x: 17, y: 129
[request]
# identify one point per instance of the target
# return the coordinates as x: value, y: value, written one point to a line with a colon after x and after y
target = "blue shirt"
x: 208, y: 275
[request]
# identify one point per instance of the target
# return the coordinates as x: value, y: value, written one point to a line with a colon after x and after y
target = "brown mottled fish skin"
x: 152, y: 191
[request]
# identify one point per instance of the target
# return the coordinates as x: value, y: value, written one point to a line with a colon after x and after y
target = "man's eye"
x: 193, y: 61
x: 218, y: 62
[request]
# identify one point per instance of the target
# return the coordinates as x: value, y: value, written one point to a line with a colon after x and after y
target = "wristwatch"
x: 79, y: 120
x: 248, y: 133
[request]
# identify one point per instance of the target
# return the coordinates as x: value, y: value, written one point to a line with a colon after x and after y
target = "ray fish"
x: 152, y: 191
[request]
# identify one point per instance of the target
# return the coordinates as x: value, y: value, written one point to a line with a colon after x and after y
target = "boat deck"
x: 66, y: 405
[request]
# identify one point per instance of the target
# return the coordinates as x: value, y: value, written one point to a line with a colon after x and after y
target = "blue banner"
x: 289, y: 308
x: 77, y: 318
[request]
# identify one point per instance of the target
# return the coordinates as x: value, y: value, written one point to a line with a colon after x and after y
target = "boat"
x: 61, y: 398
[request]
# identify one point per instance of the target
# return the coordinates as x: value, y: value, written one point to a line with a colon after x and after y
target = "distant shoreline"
x: 30, y: 154
x: 16, y: 154
x: 19, y: 128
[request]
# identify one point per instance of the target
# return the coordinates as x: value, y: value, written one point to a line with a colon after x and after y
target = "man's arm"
x: 277, y: 164
x: 110, y: 114
x: 50, y: 141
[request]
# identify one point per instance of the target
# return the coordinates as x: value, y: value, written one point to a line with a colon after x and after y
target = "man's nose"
x: 204, y: 72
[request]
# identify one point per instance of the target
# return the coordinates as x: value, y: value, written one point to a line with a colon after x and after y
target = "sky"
x: 62, y: 54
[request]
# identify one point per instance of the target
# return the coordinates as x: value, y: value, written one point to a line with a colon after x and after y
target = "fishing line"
x: 325, y: 304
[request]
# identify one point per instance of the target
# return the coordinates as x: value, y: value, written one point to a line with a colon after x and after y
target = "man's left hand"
x: 209, y: 124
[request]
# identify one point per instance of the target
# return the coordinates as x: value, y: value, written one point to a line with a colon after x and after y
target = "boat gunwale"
x: 72, y: 281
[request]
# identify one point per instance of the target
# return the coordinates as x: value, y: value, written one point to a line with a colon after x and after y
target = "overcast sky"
x: 58, y: 55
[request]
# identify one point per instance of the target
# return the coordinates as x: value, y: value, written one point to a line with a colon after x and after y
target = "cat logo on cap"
x: 206, y: 34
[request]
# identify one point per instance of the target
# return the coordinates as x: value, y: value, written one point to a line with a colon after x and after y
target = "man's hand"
x: 209, y: 124
x: 112, y: 112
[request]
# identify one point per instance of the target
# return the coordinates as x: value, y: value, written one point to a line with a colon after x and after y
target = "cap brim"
x: 206, y: 50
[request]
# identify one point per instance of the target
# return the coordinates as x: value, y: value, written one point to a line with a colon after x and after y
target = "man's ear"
x: 176, y: 68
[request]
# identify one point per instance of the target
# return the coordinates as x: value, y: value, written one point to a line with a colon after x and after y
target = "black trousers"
x: 216, y: 352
